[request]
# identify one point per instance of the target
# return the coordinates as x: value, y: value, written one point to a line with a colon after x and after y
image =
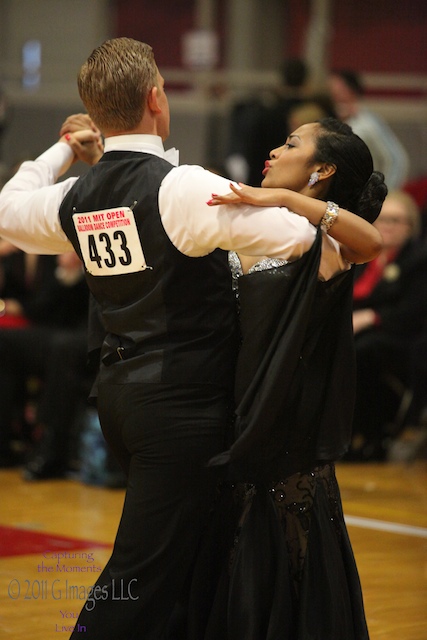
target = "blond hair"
x: 114, y: 83
x: 305, y: 113
x: 412, y: 209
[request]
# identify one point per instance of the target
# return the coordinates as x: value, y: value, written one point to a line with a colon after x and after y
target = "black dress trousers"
x: 163, y: 436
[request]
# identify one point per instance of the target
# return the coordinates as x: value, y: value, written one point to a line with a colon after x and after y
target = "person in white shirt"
x: 388, y: 153
x: 155, y: 257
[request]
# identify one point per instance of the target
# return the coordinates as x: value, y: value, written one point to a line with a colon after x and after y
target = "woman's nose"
x: 275, y: 153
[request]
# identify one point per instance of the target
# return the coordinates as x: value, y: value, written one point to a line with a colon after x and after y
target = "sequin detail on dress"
x: 294, y: 499
x: 262, y: 265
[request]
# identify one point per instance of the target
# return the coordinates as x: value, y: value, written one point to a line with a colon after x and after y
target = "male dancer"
x: 155, y: 259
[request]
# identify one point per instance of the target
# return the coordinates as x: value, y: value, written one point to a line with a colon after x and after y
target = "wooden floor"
x: 386, y: 511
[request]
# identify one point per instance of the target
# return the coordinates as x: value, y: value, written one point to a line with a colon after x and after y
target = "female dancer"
x: 283, y: 567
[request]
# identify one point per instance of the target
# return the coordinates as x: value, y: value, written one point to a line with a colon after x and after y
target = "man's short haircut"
x: 114, y: 83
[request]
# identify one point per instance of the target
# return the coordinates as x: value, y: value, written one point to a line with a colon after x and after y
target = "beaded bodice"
x: 262, y: 265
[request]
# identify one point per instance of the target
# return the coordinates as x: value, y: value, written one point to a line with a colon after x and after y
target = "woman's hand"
x: 250, y: 195
x: 86, y: 144
x: 78, y: 122
x: 84, y: 138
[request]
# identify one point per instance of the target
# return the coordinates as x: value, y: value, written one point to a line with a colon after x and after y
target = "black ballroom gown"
x: 277, y: 562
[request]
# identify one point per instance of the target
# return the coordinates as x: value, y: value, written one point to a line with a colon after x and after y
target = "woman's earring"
x: 313, y: 179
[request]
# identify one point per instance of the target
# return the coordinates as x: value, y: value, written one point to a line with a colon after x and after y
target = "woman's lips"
x: 266, y: 168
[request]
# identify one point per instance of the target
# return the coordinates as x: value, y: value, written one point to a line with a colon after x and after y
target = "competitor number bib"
x: 109, y: 242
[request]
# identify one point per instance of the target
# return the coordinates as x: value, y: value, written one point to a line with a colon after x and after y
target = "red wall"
x: 160, y: 23
x: 367, y: 35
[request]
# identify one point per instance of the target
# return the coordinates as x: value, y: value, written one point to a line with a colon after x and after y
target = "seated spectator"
x: 71, y: 439
x: 18, y: 274
x: 66, y: 383
x: 390, y: 307
x: 417, y: 415
x: 42, y: 295
x: 417, y: 188
x: 388, y: 153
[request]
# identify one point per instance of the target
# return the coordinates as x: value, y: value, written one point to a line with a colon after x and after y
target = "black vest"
x: 173, y: 322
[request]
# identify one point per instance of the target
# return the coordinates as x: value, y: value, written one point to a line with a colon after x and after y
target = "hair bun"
x: 372, y: 197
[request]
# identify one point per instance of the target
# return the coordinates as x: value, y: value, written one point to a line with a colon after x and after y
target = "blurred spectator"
x: 388, y: 153
x: 16, y: 275
x: 65, y: 386
x: 309, y: 110
x: 417, y: 188
x: 390, y: 311
x: 418, y: 380
x: 71, y: 438
x: 42, y: 295
x: 260, y: 124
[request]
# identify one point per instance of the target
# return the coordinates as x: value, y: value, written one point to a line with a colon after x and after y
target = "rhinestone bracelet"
x: 331, y: 214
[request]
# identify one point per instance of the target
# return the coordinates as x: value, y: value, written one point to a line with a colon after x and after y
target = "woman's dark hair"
x: 354, y: 186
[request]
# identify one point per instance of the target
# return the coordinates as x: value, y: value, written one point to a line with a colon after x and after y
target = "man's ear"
x: 152, y: 101
x: 326, y: 170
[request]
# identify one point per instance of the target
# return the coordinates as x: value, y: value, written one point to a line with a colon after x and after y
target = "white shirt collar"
x: 143, y: 143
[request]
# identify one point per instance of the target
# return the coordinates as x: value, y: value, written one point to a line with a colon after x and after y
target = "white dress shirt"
x: 30, y: 202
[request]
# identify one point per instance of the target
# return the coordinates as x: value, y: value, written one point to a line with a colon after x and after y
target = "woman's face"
x: 291, y: 165
x: 394, y: 224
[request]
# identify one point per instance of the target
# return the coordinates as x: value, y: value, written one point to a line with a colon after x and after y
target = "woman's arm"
x: 360, y: 240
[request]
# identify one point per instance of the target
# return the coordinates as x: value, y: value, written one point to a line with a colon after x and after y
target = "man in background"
x: 388, y: 153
